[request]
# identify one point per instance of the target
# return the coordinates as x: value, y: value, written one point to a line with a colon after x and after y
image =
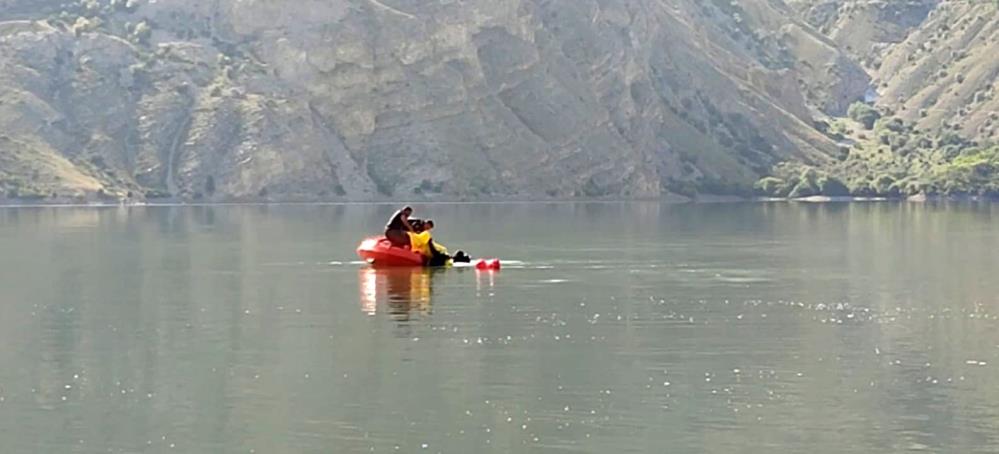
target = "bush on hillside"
x: 806, y: 184
x: 832, y: 187
x: 804, y: 188
x: 142, y: 32
x: 770, y: 187
x: 893, y: 124
x: 864, y: 114
x: 861, y: 188
x: 884, y: 185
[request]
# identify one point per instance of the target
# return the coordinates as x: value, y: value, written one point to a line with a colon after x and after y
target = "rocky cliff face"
x: 94, y: 113
x: 368, y: 99
x: 338, y: 99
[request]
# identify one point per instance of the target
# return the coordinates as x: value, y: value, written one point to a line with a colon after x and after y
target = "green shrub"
x: 950, y: 138
x: 84, y: 25
x: 142, y: 32
x: 899, y: 142
x: 717, y: 186
x: 864, y: 114
x: 832, y: 187
x: 892, y: 124
x: 913, y: 187
x: 806, y: 187
x: 803, y: 189
x: 771, y: 187
x: 861, y: 188
x: 884, y: 185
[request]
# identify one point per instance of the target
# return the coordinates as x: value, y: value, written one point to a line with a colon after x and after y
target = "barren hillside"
x: 368, y: 99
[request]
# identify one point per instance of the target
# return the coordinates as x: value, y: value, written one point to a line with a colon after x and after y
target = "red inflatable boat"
x: 378, y: 251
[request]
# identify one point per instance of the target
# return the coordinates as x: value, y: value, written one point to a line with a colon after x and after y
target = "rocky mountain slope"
x: 934, y: 62
x: 945, y: 72
x: 369, y: 99
x: 865, y: 29
x: 933, y: 119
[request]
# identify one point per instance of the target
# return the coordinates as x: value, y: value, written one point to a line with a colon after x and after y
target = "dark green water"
x: 841, y: 328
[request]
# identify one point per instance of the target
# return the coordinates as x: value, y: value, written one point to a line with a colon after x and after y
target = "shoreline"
x: 708, y: 199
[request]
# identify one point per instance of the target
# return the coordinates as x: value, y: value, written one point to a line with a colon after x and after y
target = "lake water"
x: 633, y: 327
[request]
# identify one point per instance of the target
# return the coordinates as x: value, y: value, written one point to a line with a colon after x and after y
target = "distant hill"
x: 222, y: 100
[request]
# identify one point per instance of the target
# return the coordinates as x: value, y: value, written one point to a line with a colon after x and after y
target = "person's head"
x: 407, y: 210
x: 428, y: 224
x: 418, y: 225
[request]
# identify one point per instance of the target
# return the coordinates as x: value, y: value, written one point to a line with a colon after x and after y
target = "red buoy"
x: 487, y: 264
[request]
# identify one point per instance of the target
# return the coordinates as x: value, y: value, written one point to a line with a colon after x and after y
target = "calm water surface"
x: 841, y: 328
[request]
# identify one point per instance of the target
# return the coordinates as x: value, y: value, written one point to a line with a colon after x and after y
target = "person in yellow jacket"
x: 422, y: 242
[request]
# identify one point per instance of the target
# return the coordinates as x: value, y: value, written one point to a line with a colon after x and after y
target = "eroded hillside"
x: 932, y: 119
x: 362, y: 99
x: 368, y: 99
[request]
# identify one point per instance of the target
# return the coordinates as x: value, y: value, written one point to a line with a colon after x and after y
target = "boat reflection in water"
x: 398, y: 291
x: 404, y: 291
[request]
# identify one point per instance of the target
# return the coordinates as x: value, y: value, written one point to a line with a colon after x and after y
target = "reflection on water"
x: 849, y: 328
x: 400, y: 292
x: 485, y: 281
x: 404, y: 291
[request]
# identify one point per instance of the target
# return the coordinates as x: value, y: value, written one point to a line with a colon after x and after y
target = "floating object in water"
x: 487, y: 264
x: 379, y: 252
x: 461, y: 257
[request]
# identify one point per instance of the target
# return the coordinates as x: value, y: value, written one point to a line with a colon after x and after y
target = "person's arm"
x: 405, y: 222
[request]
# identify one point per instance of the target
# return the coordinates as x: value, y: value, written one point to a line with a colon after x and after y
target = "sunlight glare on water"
x: 613, y: 327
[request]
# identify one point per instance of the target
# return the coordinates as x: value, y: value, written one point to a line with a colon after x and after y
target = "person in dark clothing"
x: 438, y: 255
x: 437, y: 258
x: 461, y: 257
x: 398, y: 226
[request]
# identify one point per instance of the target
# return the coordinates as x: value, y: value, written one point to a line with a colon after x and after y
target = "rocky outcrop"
x: 163, y: 121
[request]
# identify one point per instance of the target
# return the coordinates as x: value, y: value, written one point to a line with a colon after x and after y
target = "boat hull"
x: 378, y: 251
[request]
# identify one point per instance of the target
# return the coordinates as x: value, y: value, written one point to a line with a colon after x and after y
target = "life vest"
x: 420, y: 242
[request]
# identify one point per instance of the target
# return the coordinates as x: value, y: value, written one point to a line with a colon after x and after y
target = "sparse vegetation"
x: 797, y: 181
x: 427, y: 187
x: 901, y: 161
x: 863, y: 114
x: 712, y: 125
x: 15, y: 187
x: 770, y: 187
x: 142, y: 32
